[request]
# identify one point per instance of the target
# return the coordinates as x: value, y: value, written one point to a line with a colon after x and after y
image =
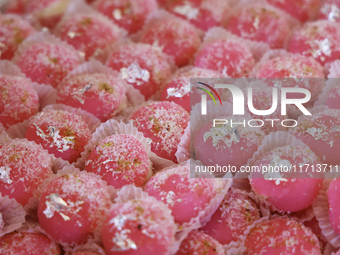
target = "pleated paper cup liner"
x: 331, y: 83
x: 329, y: 250
x: 2, y: 129
x: 220, y: 34
x: 89, y: 247
x: 19, y: 130
x: 46, y: 93
x: 320, y: 208
x: 334, y: 69
x: 12, y: 215
x: 32, y: 206
x: 183, y: 150
x: 235, y: 248
x: 110, y: 128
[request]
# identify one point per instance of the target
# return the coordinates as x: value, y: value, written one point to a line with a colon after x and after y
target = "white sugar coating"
x: 282, y: 236
x: 24, y: 161
x: 70, y: 193
x: 18, y: 98
x: 330, y: 10
x: 109, y: 89
x: 334, y: 93
x: 218, y: 8
x: 128, y: 153
x: 152, y: 218
x: 75, y: 128
x: 164, y: 121
x: 295, y: 66
x: 322, y: 36
x: 153, y: 58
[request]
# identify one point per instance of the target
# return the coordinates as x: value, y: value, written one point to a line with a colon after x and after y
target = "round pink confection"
x: 229, y: 57
x: 27, y: 243
x: 330, y: 10
x: 175, y: 37
x: 19, y: 100
x: 282, y: 236
x: 24, y: 166
x: 177, y: 88
x: 236, y: 213
x: 318, y: 39
x: 333, y: 201
x: 302, y: 10
x: 199, y: 243
x: 13, y: 31
x: 321, y: 133
x: 61, y: 133
x: 104, y: 91
x: 120, y: 159
x: 262, y: 99
x: 282, y: 189
x: 88, y: 33
x: 225, y: 145
x: 261, y: 24
x: 143, y: 66
x: 48, y: 12
x: 72, y: 206
x: 48, y: 63
x: 185, y: 196
x: 129, y: 14
x: 164, y: 123
x: 203, y: 14
x: 139, y: 226
x: 333, y: 99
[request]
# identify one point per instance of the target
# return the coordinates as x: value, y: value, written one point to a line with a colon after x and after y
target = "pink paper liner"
x: 93, y: 66
x: 89, y: 246
x: 13, y: 215
x: 329, y: 250
x: 42, y: 37
x: 80, y: 7
x: 235, y: 248
x: 330, y: 84
x: 218, y: 33
x: 19, y: 130
x: 46, y: 93
x: 2, y: 129
x: 109, y: 128
x: 320, y: 208
x: 334, y: 70
x: 183, y: 151
x: 31, y: 207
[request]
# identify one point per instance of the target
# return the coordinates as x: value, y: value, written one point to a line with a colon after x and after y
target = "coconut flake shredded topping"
x: 133, y: 73
x: 4, y: 174
x: 187, y: 10
x: 178, y: 92
x: 223, y: 133
x: 78, y: 93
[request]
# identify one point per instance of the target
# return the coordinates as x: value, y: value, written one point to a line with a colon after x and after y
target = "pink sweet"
x: 48, y: 12
x: 236, y: 213
x: 318, y: 39
x: 321, y: 133
x: 139, y: 226
x: 175, y: 37
x: 28, y: 243
x: 259, y: 23
x: 203, y: 14
x: 19, y: 100
x: 104, y: 91
x: 164, y: 123
x: 177, y: 87
x: 120, y: 159
x: 230, y: 58
x: 24, y: 166
x: 313, y: 224
x: 282, y: 236
x: 330, y: 10
x: 224, y: 145
x: 88, y: 33
x: 199, y: 243
x: 75, y: 202
x: 13, y: 31
x: 143, y: 66
x: 282, y: 189
x: 61, y: 133
x: 184, y: 195
x: 129, y: 14
x: 48, y: 63
x: 334, y: 208
x: 333, y: 98
x: 302, y: 10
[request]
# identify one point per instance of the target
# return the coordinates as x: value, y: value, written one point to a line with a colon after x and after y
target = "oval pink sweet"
x: 75, y: 202
x: 120, y: 159
x: 105, y: 91
x: 24, y: 166
x: 281, y: 236
x: 229, y: 57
